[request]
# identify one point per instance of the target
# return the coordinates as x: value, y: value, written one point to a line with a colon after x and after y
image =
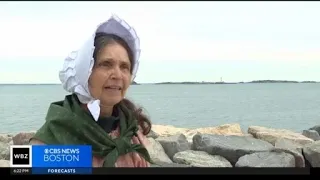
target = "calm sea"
x: 290, y: 106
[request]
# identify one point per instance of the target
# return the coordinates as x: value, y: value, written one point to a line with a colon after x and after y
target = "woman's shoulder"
x: 66, y: 108
x: 68, y: 101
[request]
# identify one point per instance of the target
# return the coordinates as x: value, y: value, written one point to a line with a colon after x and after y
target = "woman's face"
x: 110, y: 77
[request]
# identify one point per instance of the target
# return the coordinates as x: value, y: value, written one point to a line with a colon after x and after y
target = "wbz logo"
x: 21, y: 156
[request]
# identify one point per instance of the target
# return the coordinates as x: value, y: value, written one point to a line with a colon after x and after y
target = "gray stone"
x: 5, y: 138
x: 22, y: 138
x: 272, y: 135
x: 287, y: 144
x: 157, y: 152
x: 152, y: 134
x: 4, y: 163
x: 229, y: 147
x: 311, y: 153
x: 316, y: 128
x: 10, y: 143
x: 295, y: 149
x: 4, y: 151
x: 200, y: 159
x: 173, y: 144
x: 266, y: 159
x: 312, y: 134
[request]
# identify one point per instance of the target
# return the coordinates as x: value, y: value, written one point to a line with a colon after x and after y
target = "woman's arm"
x: 143, y: 140
x: 134, y: 159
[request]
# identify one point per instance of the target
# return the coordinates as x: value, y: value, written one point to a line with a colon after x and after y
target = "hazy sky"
x: 180, y: 41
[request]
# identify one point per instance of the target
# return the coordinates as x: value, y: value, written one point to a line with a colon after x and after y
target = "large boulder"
x: 22, y: 138
x: 295, y: 149
x: 266, y: 159
x: 163, y: 131
x: 4, y: 151
x: 272, y: 135
x: 316, y: 128
x: 200, y: 159
x: 157, y: 152
x: 153, y: 134
x: 311, y: 153
x: 229, y: 147
x: 5, y: 138
x: 312, y: 134
x: 4, y: 163
x: 225, y: 129
x: 173, y: 144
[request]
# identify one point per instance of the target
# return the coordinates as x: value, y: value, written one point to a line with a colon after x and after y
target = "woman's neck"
x: 106, y: 111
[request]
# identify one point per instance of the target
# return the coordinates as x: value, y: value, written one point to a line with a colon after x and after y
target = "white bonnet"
x: 78, y: 65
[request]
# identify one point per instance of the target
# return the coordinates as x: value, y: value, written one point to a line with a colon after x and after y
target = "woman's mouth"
x: 113, y: 88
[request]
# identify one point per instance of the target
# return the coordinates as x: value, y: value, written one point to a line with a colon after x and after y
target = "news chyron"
x: 50, y: 159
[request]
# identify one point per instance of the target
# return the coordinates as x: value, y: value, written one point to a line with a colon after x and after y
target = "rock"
x: 11, y: 142
x: 272, y: 135
x: 157, y: 152
x: 4, y: 151
x: 249, y: 135
x: 229, y: 147
x: 174, y: 144
x: 5, y: 138
x: 200, y: 159
x: 163, y: 164
x: 164, y: 131
x: 226, y: 129
x: 22, y: 138
x: 153, y: 135
x: 312, y: 134
x: 311, y: 153
x: 287, y: 146
x: 316, y: 128
x: 154, y: 165
x: 266, y: 159
x: 4, y: 163
x: 298, y: 157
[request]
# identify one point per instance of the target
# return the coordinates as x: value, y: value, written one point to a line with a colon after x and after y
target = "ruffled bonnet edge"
x: 78, y: 64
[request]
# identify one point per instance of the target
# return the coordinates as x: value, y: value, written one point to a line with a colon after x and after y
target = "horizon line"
x: 167, y: 82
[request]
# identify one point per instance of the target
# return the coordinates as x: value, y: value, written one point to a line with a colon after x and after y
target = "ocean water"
x: 290, y: 106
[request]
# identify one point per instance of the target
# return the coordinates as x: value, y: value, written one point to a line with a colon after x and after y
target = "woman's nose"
x: 116, y: 73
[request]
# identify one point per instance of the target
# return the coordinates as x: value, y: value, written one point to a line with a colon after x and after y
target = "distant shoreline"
x: 250, y: 82
x: 195, y: 82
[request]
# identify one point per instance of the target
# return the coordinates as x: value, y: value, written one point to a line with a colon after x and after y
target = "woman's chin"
x: 111, y: 100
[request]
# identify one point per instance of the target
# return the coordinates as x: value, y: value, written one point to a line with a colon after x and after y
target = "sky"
x: 180, y: 41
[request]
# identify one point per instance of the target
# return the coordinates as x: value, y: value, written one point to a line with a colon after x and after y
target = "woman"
x: 96, y: 113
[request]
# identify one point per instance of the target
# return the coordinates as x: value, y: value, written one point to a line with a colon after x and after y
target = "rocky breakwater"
x: 222, y: 146
x: 6, y: 140
x: 228, y: 146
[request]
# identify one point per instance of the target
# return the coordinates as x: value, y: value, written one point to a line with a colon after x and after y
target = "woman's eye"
x: 105, y: 63
x: 125, y: 67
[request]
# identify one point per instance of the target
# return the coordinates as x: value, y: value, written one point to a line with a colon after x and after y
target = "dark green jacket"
x: 67, y: 123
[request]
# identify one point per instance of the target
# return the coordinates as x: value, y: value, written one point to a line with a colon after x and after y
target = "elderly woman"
x: 96, y: 112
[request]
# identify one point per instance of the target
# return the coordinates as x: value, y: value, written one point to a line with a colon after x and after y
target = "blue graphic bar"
x: 42, y: 170
x: 64, y: 156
